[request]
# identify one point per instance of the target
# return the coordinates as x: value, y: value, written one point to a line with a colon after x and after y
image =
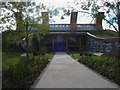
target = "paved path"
x: 64, y: 72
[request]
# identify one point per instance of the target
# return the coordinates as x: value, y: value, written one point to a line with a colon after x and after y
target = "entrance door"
x: 60, y: 45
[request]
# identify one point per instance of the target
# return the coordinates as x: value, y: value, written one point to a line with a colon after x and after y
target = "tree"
x: 92, y: 7
x: 112, y: 8
x: 27, y: 16
x: 16, y: 9
x: 35, y: 46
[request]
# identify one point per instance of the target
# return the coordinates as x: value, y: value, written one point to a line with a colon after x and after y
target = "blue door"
x: 59, y: 44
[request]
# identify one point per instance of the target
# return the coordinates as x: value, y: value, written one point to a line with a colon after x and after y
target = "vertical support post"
x: 53, y: 44
x: 80, y: 44
x: 66, y: 44
x: 100, y: 48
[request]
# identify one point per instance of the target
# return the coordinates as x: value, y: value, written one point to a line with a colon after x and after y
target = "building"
x: 68, y: 37
x: 74, y: 37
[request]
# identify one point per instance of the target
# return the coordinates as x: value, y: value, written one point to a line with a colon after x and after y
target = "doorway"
x: 59, y: 45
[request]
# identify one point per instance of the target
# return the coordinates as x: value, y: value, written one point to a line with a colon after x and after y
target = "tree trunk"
x: 27, y: 48
x: 119, y: 22
x: 119, y: 25
x: 27, y: 43
x: 118, y: 18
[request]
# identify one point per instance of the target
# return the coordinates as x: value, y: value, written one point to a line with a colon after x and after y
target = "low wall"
x: 96, y: 44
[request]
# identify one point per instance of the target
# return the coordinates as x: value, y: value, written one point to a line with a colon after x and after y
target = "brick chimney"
x: 73, y: 21
x: 99, y: 18
x: 45, y: 18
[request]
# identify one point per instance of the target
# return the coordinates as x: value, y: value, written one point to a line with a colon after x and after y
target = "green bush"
x: 18, y: 71
x: 24, y: 73
x: 109, y: 67
x: 9, y: 37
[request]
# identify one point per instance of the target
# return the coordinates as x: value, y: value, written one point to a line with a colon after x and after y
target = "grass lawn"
x: 12, y: 58
x: 75, y: 55
x: 104, y: 33
x: 9, y: 58
x: 49, y: 55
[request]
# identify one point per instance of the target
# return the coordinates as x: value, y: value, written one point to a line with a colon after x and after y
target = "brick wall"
x: 73, y: 21
x: 99, y: 18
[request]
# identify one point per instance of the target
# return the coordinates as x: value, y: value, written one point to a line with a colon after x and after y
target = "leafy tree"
x: 35, y: 46
x: 112, y: 8
x: 9, y: 37
x: 27, y: 16
x: 16, y: 9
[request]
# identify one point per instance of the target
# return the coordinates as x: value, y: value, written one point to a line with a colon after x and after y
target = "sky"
x: 83, y: 18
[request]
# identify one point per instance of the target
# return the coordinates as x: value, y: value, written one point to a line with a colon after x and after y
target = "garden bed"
x: 106, y: 66
x: 23, y: 74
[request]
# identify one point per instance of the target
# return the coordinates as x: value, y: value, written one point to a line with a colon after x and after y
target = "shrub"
x: 109, y: 67
x: 23, y: 74
x: 18, y: 71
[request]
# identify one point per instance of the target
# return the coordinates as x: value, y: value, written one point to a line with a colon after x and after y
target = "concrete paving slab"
x: 64, y: 72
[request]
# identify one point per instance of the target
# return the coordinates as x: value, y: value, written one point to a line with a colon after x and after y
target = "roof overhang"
x: 65, y: 33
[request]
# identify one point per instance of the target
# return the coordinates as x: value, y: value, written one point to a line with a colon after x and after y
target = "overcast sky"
x: 83, y: 18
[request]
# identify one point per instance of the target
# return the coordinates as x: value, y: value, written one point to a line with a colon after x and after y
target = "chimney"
x: 45, y: 18
x: 99, y: 18
x: 73, y: 21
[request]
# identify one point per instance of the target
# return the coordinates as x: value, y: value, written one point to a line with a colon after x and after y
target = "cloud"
x: 54, y: 1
